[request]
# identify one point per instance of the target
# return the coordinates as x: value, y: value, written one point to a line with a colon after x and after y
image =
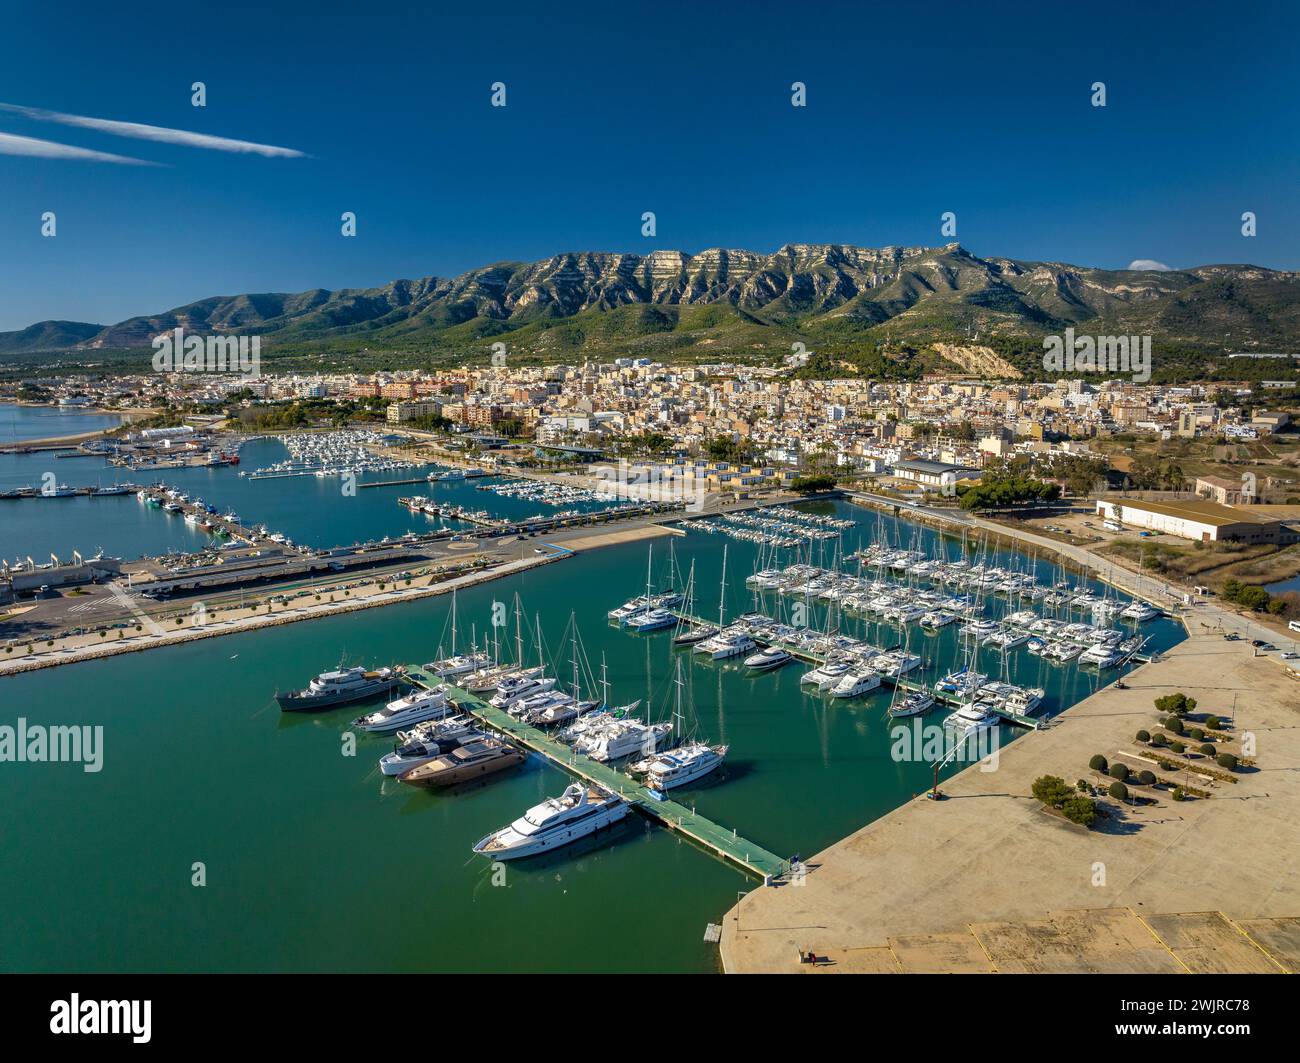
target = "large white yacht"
x: 556, y: 822
x: 1139, y: 610
x: 683, y: 765
x: 856, y: 682
x: 726, y: 644
x: 516, y: 688
x: 338, y: 688
x: 428, y: 741
x: 766, y: 660
x: 416, y: 707
x: 460, y: 664
x: 969, y: 720
x: 623, y: 738
x: 825, y: 675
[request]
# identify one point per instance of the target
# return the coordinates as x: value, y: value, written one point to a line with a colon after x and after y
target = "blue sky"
x: 613, y: 110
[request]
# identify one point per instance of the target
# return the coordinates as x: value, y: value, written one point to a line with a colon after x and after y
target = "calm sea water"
x: 314, y: 862
x: 20, y: 423
x: 308, y: 509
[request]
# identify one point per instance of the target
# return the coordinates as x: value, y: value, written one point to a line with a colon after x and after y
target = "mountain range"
x: 897, y: 301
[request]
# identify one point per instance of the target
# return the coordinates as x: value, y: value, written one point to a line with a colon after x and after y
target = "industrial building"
x: 1199, y: 520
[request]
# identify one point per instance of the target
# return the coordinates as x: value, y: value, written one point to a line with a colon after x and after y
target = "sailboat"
x: 682, y: 764
x: 457, y: 665
x: 696, y: 632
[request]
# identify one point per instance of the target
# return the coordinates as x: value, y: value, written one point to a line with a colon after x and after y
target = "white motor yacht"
x: 766, y: 660
x: 856, y: 682
x: 825, y: 675
x: 623, y: 738
x: 556, y: 822
x: 428, y: 741
x: 683, y: 765
x: 416, y: 707
x: 969, y: 720
x: 726, y: 644
x: 519, y: 687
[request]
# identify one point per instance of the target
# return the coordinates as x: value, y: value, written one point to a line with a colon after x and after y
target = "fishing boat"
x: 338, y: 687
x: 558, y: 821
x: 467, y: 763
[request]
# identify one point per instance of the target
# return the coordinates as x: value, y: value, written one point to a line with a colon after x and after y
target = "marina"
x: 723, y: 833
x: 746, y: 855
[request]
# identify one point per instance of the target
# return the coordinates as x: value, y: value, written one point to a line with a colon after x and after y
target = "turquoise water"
x: 21, y: 423
x: 310, y: 510
x: 316, y: 863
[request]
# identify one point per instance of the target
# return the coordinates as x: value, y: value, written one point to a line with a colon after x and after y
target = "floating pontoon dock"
x: 717, y: 839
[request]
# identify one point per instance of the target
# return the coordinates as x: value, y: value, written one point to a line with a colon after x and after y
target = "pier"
x: 728, y: 844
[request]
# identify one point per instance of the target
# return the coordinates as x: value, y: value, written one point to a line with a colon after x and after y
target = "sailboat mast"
x: 722, y: 593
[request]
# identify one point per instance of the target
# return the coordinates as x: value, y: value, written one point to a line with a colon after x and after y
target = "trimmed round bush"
x: 1147, y: 778
x: 1177, y: 747
x: 1119, y: 771
x: 1213, y: 723
x: 1118, y: 791
x: 1227, y: 760
x: 1098, y: 762
x: 1207, y: 749
x: 1143, y: 736
x: 1174, y: 725
x: 1196, y: 734
x: 1159, y: 740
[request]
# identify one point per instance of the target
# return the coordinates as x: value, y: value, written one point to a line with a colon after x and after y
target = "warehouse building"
x: 1200, y: 521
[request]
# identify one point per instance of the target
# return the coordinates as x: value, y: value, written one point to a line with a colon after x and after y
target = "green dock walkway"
x: 728, y: 844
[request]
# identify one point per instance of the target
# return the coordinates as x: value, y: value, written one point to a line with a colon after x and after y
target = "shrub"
x: 1174, y: 725
x: 1159, y: 740
x: 1051, y: 789
x: 1146, y: 778
x: 1119, y: 771
x: 1177, y: 747
x: 1207, y: 749
x: 1179, y: 704
x: 1196, y: 734
x: 1213, y: 723
x: 1081, y: 810
x: 1168, y: 765
x: 1178, y: 794
x: 1118, y: 791
x: 1227, y: 760
x: 1143, y: 736
x: 1083, y: 786
x: 1098, y: 762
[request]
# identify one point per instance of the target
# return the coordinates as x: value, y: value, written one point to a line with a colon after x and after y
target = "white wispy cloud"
x: 11, y: 144
x: 160, y: 134
x: 1148, y: 263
